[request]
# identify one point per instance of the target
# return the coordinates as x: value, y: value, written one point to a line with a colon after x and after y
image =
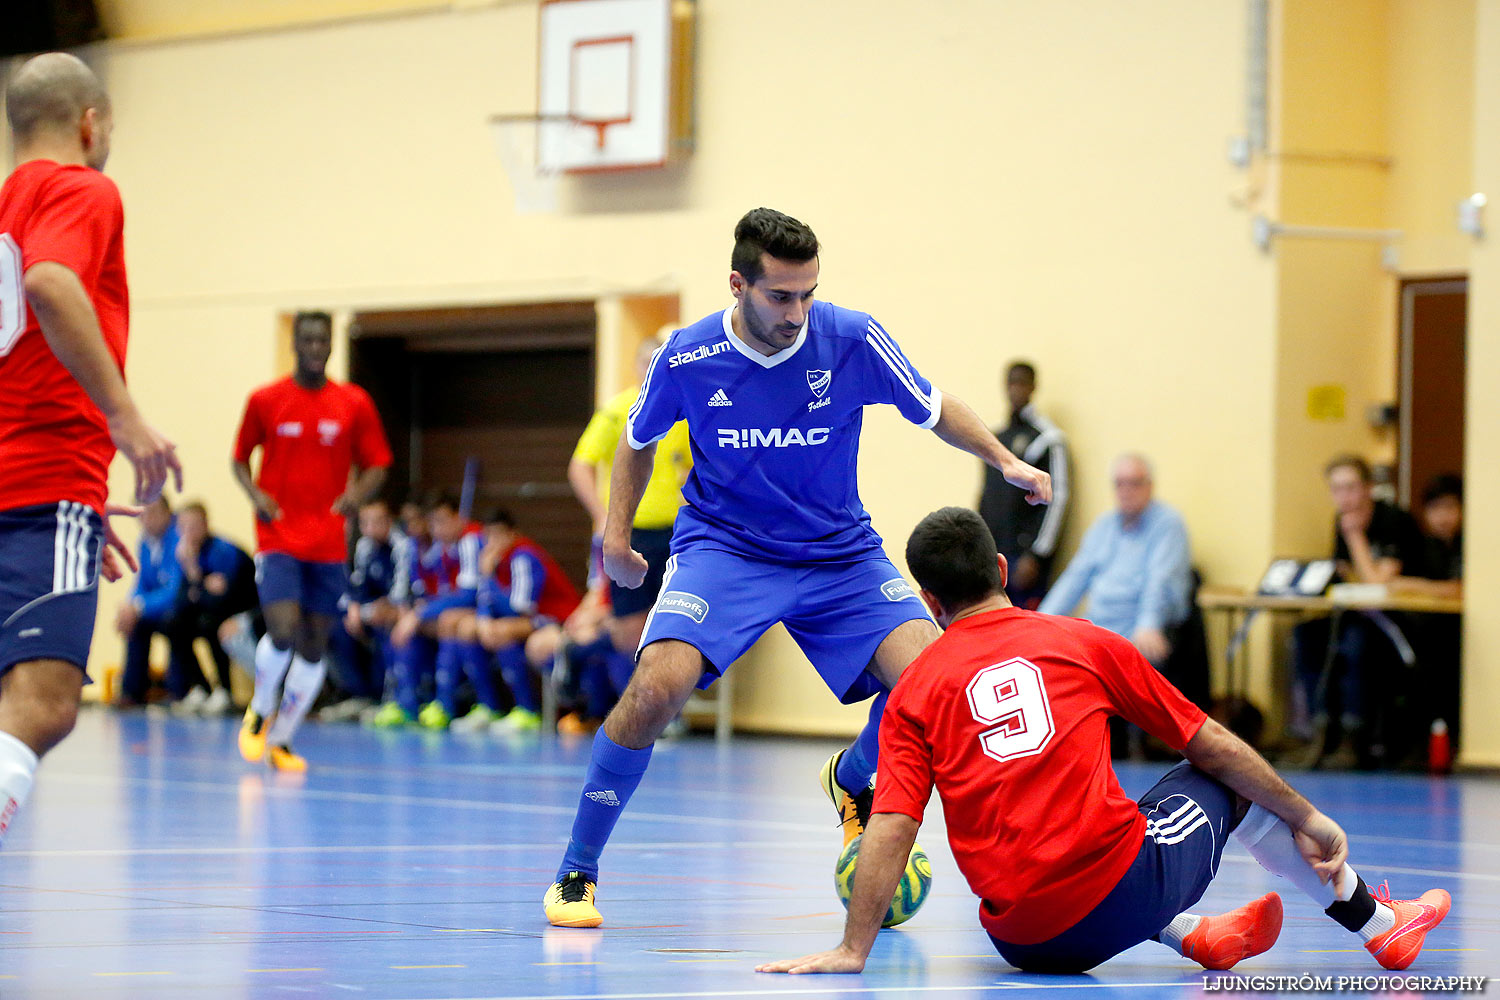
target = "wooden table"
x: 1240, y: 607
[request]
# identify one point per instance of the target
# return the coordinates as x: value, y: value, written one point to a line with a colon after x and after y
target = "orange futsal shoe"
x: 253, y: 737
x: 282, y: 759
x: 1399, y: 947
x: 1222, y: 941
x: 854, y: 810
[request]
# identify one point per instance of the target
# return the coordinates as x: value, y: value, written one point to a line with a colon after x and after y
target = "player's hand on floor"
x: 1323, y: 845
x: 838, y: 960
x: 114, y: 550
x: 1036, y: 483
x: 149, y: 453
x: 626, y: 566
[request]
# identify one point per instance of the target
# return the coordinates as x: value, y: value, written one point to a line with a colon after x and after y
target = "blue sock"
x: 621, y: 666
x: 517, y: 674
x: 857, y: 766
x: 476, y: 660
x: 449, y: 673
x: 412, y: 664
x: 614, y: 773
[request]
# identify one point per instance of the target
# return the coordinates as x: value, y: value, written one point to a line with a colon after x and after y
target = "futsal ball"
x: 911, y: 892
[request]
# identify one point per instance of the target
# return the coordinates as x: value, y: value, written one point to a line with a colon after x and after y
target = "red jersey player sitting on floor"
x: 1007, y: 714
x: 312, y: 432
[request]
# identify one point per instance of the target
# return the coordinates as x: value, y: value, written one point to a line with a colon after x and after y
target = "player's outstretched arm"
x: 883, y: 851
x: 627, y: 484
x: 1217, y: 751
x: 68, y: 322
x: 961, y: 427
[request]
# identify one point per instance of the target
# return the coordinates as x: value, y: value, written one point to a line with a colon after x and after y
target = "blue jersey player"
x: 774, y: 391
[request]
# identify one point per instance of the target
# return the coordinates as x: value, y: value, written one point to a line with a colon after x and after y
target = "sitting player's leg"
x: 667, y: 673
x: 1392, y: 930
x: 449, y: 668
x: 505, y: 638
x: 412, y: 652
x: 38, y: 708
x: 475, y: 662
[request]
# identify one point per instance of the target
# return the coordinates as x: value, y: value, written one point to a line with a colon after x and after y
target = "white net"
x: 518, y: 140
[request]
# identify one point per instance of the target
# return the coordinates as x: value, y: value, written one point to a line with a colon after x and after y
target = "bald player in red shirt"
x: 64, y: 410
x: 1007, y: 714
x: 313, y: 433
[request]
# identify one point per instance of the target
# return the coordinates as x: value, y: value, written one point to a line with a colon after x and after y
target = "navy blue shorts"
x: 314, y: 586
x: 1189, y: 815
x: 656, y: 545
x: 721, y: 602
x: 446, y: 602
x: 49, y: 587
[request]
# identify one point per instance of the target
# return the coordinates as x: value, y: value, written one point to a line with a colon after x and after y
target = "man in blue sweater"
x: 153, y: 601
x: 218, y: 582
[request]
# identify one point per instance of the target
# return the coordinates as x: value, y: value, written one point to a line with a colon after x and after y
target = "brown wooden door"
x: 1434, y: 316
x: 511, y: 387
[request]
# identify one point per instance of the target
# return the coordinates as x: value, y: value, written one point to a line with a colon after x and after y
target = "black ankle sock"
x: 1357, y: 910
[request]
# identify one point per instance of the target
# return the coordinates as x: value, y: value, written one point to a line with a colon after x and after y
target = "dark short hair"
x: 311, y: 316
x: 765, y: 230
x: 377, y: 502
x: 446, y: 500
x: 1351, y: 461
x: 1021, y: 366
x: 952, y: 554
x: 194, y: 506
x: 1447, y: 485
x: 501, y: 517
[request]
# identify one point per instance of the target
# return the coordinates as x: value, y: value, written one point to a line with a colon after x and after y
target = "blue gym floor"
x: 151, y: 862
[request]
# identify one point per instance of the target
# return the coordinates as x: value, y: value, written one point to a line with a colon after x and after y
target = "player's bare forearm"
x: 961, y: 427
x: 1220, y: 753
x: 366, y: 485
x: 66, y: 314
x: 264, y: 505
x: 627, y: 484
x: 883, y: 852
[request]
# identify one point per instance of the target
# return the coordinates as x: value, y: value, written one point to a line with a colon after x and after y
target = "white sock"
x: 271, y: 665
x: 1181, y: 926
x: 1383, y: 920
x: 1269, y: 841
x: 303, y: 682
x: 17, y: 767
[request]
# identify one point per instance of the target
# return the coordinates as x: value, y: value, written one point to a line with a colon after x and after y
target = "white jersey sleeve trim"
x: 903, y: 375
x: 937, y: 410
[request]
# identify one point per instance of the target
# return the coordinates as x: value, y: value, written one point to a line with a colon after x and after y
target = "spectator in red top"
x: 1006, y: 713
x: 311, y: 432
x: 64, y: 317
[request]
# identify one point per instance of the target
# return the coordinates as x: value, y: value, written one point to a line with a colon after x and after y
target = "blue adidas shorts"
x: 315, y: 586
x: 445, y: 602
x: 49, y: 583
x: 1189, y: 816
x: 721, y: 602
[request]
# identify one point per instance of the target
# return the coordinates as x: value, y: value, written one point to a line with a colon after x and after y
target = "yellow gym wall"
x: 990, y: 180
x: 1482, y: 444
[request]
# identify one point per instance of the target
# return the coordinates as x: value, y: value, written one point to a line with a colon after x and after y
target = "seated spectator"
x: 1373, y: 542
x: 1133, y: 566
x: 153, y: 601
x: 1027, y: 535
x: 1437, y: 639
x: 424, y: 640
x: 218, y: 582
x: 524, y: 599
x: 361, y: 641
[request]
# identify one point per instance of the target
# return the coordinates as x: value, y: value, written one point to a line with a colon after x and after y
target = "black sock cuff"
x: 1357, y: 910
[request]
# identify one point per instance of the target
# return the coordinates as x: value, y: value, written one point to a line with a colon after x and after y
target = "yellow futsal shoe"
x: 570, y: 903
x: 854, y: 810
x: 253, y: 737
x: 282, y: 759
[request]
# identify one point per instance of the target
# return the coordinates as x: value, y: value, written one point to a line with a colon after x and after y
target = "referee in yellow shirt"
x: 651, y: 532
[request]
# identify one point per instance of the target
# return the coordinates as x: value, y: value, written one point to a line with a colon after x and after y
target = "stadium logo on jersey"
x: 897, y: 589
x: 819, y: 382
x: 776, y: 437
x: 607, y: 797
x: 697, y: 354
x: 328, y: 431
x: 719, y: 399
x: 680, y: 602
x: 290, y: 429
